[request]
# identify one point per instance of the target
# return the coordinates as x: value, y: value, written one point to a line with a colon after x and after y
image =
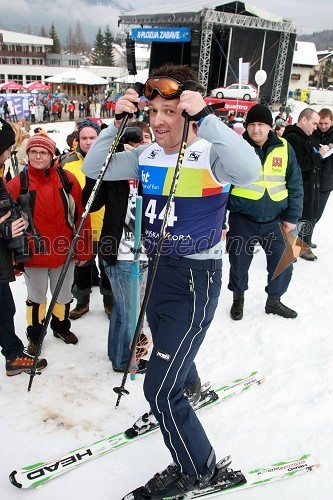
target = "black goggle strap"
x: 207, y: 110
x: 138, y: 87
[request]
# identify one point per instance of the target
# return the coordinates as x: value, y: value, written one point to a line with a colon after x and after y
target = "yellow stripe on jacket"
x: 73, y: 163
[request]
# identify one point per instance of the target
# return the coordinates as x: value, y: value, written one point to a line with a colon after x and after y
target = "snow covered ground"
x: 72, y: 403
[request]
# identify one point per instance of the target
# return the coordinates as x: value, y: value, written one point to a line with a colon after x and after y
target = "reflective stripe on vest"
x: 272, y: 177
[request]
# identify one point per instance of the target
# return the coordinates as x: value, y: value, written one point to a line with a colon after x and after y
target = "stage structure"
x: 220, y: 35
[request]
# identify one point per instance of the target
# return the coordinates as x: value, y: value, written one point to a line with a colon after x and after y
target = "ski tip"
x: 13, y: 480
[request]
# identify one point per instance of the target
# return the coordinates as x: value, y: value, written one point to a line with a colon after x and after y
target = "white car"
x: 245, y: 92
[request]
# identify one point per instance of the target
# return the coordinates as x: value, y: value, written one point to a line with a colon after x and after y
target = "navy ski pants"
x: 181, y: 307
x: 242, y: 236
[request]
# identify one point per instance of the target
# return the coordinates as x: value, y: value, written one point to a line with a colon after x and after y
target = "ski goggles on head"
x: 166, y: 87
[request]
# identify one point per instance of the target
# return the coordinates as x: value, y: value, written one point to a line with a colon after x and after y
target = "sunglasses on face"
x: 166, y: 87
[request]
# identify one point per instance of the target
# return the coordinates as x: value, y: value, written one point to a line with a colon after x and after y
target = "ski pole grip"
x: 191, y: 85
x: 138, y: 87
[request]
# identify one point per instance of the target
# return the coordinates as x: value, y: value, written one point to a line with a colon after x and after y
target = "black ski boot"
x: 171, y: 483
x: 275, y: 306
x: 168, y: 483
x: 236, y: 311
x: 193, y: 392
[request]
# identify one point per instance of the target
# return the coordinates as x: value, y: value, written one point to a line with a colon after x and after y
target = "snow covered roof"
x: 23, y: 38
x: 305, y: 54
x: 324, y: 54
x: 77, y: 76
x: 141, y: 76
x: 197, y: 6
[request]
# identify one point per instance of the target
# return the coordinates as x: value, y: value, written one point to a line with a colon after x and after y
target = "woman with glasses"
x: 56, y: 209
x: 188, y: 279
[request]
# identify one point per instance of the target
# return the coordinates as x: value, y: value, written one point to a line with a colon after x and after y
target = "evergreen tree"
x: 43, y: 32
x: 80, y: 44
x: 98, y: 49
x: 70, y: 41
x: 108, y: 55
x: 56, y: 48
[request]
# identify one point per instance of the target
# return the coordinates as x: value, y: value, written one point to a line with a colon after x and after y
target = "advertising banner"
x: 18, y: 102
x: 161, y: 34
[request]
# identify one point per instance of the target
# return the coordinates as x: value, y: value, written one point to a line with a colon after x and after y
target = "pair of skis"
x: 37, y: 474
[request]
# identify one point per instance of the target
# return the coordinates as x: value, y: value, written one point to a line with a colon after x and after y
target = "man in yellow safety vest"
x: 259, y: 212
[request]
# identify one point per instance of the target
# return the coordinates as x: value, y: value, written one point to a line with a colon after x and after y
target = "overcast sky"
x: 309, y: 15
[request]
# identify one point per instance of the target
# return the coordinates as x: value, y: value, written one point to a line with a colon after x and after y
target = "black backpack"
x: 67, y: 185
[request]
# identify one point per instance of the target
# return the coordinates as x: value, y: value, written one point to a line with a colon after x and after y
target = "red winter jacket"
x: 54, y: 214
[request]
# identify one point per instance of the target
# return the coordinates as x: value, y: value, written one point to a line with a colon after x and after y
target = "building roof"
x: 141, y: 76
x: 23, y: 38
x: 305, y: 54
x: 324, y: 54
x: 198, y: 6
x: 77, y: 76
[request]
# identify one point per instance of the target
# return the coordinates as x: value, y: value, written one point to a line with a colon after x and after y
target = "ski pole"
x: 121, y: 391
x: 136, y: 273
x: 62, y: 275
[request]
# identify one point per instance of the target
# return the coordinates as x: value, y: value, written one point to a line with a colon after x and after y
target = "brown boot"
x: 32, y: 348
x: 68, y: 337
x: 79, y: 311
x: 33, y: 335
x: 61, y: 327
x: 23, y: 363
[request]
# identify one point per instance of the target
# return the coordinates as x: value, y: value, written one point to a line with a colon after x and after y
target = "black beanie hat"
x: 259, y: 113
x: 88, y: 123
x: 7, y: 136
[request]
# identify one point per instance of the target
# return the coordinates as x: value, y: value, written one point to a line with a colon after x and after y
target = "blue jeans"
x: 120, y: 331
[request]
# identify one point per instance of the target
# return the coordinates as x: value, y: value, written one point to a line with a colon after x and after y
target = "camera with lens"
x: 18, y: 244
x: 132, y: 134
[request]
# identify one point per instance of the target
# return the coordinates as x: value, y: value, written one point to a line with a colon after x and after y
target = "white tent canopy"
x: 77, y: 76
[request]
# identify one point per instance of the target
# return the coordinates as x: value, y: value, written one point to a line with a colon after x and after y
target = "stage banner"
x: 161, y: 34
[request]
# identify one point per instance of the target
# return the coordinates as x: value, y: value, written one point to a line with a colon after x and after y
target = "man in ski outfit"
x: 185, y: 292
x: 258, y: 210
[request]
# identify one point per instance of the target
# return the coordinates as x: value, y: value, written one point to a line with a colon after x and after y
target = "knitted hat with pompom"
x: 42, y: 141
